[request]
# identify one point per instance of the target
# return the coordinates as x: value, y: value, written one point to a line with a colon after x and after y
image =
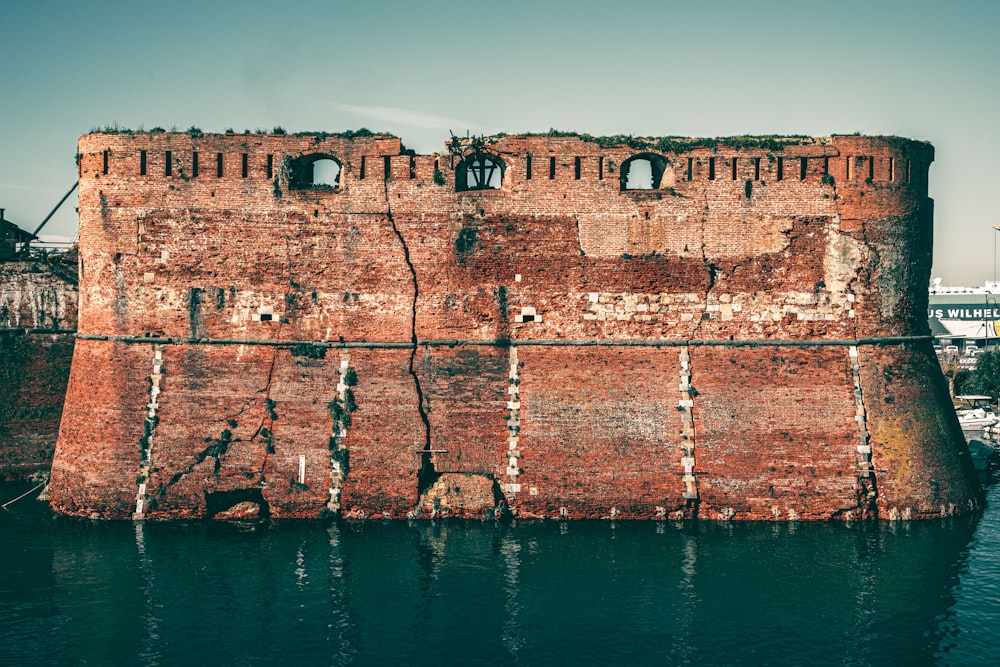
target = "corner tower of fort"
x: 563, y: 326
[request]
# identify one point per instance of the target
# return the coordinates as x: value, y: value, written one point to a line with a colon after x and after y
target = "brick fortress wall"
x: 38, y: 309
x: 747, y: 339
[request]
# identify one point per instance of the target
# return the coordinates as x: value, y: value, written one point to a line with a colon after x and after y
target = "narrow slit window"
x: 690, y: 170
x: 105, y: 162
x: 871, y: 168
x: 270, y: 166
x: 711, y: 168
x: 244, y: 165
x: 803, y: 166
x: 600, y: 168
x: 847, y: 176
x: 413, y: 167
x: 168, y: 168
x: 552, y: 168
x: 194, y: 164
x: 892, y: 169
x: 527, y: 168
x: 576, y: 169
x: 781, y: 168
x: 386, y: 168
x: 361, y: 172
x: 756, y: 169
x: 142, y: 163
x: 734, y: 168
x: 218, y: 165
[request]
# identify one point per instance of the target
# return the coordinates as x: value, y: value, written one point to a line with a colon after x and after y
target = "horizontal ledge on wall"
x: 29, y: 330
x: 504, y: 342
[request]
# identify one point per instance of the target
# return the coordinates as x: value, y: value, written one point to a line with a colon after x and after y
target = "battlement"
x: 525, y: 163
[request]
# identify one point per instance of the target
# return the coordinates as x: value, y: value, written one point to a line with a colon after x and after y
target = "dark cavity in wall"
x: 220, y: 501
x: 196, y: 321
x: 466, y: 240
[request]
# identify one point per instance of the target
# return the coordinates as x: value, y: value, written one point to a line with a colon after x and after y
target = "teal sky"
x: 920, y: 69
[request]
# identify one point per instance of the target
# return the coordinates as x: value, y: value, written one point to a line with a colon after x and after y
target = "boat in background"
x: 975, y: 412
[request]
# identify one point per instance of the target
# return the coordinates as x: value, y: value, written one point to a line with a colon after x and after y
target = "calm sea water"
x: 530, y: 593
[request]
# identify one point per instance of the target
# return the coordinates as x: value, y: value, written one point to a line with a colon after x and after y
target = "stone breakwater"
x: 550, y: 326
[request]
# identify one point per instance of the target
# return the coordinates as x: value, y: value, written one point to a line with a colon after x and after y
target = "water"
x: 529, y: 593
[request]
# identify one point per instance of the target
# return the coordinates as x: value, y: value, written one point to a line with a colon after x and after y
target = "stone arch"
x: 317, y: 171
x: 479, y: 171
x: 643, y: 171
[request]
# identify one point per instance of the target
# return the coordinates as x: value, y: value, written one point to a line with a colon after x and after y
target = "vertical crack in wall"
x: 685, y: 406
x: 867, y: 486
x: 851, y: 286
x: 512, y: 487
x: 427, y: 475
x: 340, y: 408
x: 712, y: 272
x: 148, y: 429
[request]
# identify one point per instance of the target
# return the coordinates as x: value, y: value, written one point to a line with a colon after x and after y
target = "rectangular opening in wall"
x: 576, y: 169
x: 168, y: 168
x: 600, y: 168
x: 218, y: 165
x: 527, y: 167
x: 270, y: 166
x: 711, y: 168
x: 803, y: 167
x: 847, y: 173
x: 413, y: 167
x: 194, y: 164
x: 781, y: 168
x: 106, y: 162
x: 244, y: 165
x: 871, y: 168
x: 142, y: 163
x: 690, y: 170
x: 734, y: 168
x: 756, y: 169
x: 552, y: 168
x: 386, y: 168
x: 892, y: 169
x: 361, y: 172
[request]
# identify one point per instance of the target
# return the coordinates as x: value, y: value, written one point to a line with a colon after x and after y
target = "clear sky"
x: 914, y: 68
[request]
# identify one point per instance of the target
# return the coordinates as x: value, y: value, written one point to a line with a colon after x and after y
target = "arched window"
x: 479, y: 171
x: 314, y: 172
x: 643, y: 172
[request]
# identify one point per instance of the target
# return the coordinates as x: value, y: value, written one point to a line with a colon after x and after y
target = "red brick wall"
x: 38, y: 310
x: 505, y: 291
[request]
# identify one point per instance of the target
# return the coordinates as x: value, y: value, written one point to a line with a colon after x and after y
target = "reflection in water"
x: 512, y: 638
x: 484, y: 593
x: 681, y: 651
x: 149, y: 653
x: 340, y: 621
